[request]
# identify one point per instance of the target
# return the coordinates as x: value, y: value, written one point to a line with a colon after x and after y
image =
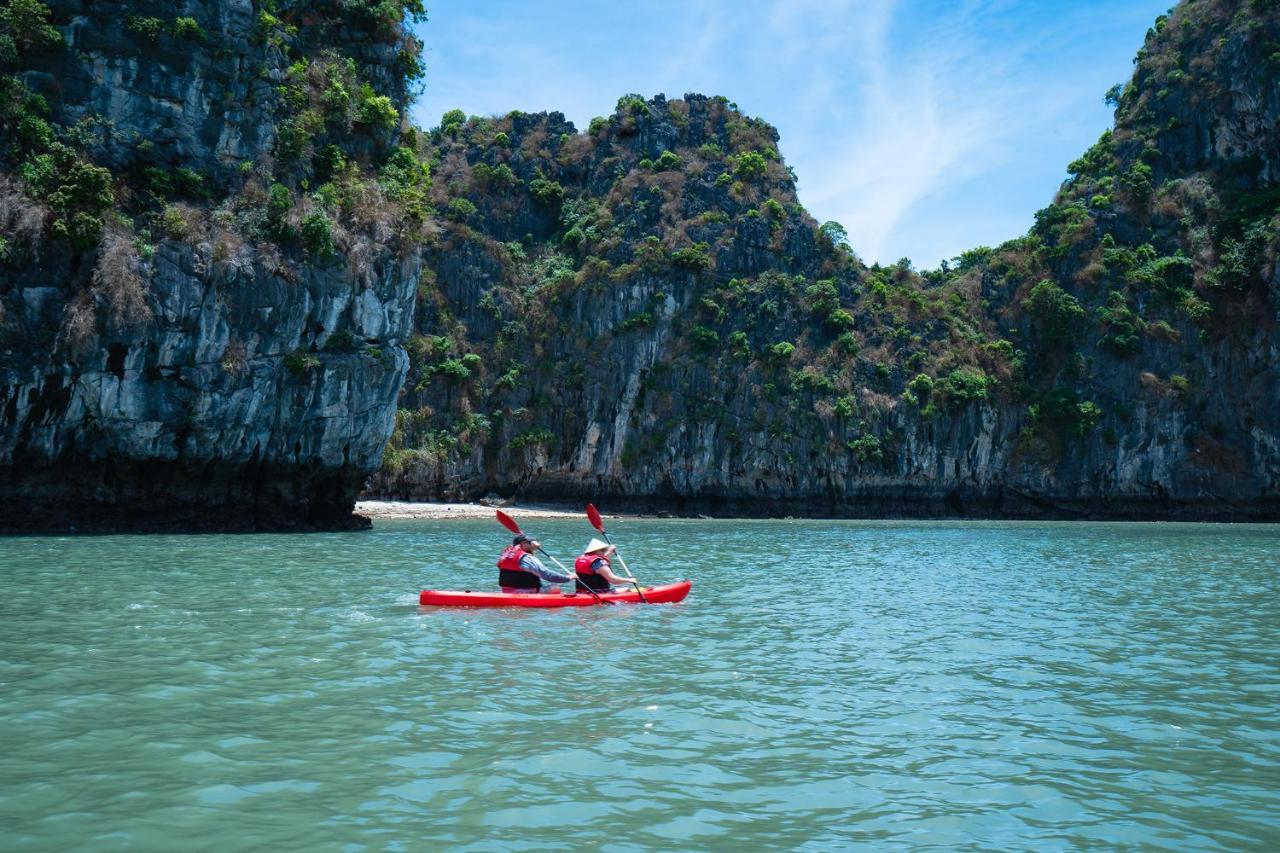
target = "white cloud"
x: 887, y: 108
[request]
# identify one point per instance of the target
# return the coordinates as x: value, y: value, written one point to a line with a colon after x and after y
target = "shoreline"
x: 381, y: 509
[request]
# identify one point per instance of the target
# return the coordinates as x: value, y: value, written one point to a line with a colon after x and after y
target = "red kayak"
x: 665, y: 594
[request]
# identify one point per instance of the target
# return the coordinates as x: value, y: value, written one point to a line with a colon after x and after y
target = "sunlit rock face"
x: 193, y: 374
x: 662, y: 327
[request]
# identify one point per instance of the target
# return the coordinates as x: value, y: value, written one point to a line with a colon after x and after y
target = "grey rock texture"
x: 603, y: 383
x: 249, y: 386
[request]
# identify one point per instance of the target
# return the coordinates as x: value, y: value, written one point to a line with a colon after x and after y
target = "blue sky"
x: 924, y: 127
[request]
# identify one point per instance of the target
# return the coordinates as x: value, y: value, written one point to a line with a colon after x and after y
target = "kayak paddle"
x: 510, y: 523
x: 593, y: 515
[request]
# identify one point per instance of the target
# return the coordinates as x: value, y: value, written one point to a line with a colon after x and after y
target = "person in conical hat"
x: 593, y: 568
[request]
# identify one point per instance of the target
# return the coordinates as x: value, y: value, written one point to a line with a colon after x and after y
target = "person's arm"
x: 530, y: 563
x: 605, y: 572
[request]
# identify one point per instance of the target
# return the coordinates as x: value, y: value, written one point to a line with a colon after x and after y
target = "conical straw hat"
x: 595, y: 545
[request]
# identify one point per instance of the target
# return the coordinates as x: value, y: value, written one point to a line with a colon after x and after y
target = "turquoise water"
x: 991, y: 685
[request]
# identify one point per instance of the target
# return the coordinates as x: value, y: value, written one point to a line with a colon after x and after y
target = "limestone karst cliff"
x: 230, y: 271
x: 208, y: 259
x: 644, y: 314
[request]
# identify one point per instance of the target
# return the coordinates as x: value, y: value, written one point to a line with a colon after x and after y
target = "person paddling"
x: 593, y: 568
x: 520, y: 571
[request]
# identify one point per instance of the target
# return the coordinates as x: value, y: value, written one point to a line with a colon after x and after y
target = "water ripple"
x: 1031, y: 686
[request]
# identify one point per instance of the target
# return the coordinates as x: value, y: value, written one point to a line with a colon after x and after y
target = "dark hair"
x: 520, y: 539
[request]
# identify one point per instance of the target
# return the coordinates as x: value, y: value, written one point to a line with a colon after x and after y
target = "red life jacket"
x: 511, y: 574
x: 510, y: 559
x: 583, y: 565
x: 587, y: 577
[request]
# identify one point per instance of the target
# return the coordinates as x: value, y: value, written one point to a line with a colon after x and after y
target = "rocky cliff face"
x: 214, y: 226
x: 208, y: 260
x: 642, y: 313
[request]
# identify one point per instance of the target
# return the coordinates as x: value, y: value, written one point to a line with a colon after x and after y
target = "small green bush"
x: 179, y: 183
x: 301, y: 363
x: 668, y: 162
x: 633, y: 105
x: 636, y: 321
x: 840, y: 319
x: 24, y: 25
x: 452, y: 121
x: 847, y: 343
x: 823, y: 296
x: 188, y: 29
x: 341, y: 341
x: 545, y: 192
x: 921, y: 385
x: 279, y: 203
x: 145, y: 28
x: 77, y: 192
x: 814, y: 381
x: 376, y: 111
x: 696, y: 258
x: 540, y: 437
x: 1138, y: 181
x: 964, y: 384
x: 1055, y: 310
x: 999, y: 349
x: 704, y: 339
x: 34, y: 133
x: 782, y: 350
x: 460, y: 209
x: 1063, y: 410
x: 173, y: 222
x: 317, y: 235
x: 1124, y: 328
x: 452, y: 369
x: 750, y: 165
x: 866, y: 448
x: 501, y: 178
x: 509, y: 379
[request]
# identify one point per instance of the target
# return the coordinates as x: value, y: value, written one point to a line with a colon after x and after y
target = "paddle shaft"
x: 623, y: 563
x: 576, y: 582
x: 593, y: 516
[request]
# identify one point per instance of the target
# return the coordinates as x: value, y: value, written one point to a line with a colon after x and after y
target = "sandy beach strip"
x: 412, y: 509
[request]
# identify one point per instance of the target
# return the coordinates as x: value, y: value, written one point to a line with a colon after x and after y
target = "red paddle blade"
x: 594, y: 517
x: 507, y: 521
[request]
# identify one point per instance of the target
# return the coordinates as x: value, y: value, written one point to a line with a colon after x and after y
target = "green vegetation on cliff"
x: 667, y: 243
x: 640, y: 309
x: 340, y: 172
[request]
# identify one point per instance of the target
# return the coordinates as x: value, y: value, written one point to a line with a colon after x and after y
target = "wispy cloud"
x: 889, y: 110
x: 918, y: 120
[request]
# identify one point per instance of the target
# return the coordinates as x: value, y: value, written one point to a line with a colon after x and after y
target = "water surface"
x: 827, y: 685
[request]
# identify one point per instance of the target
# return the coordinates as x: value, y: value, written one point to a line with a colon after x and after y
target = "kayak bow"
x: 665, y: 594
